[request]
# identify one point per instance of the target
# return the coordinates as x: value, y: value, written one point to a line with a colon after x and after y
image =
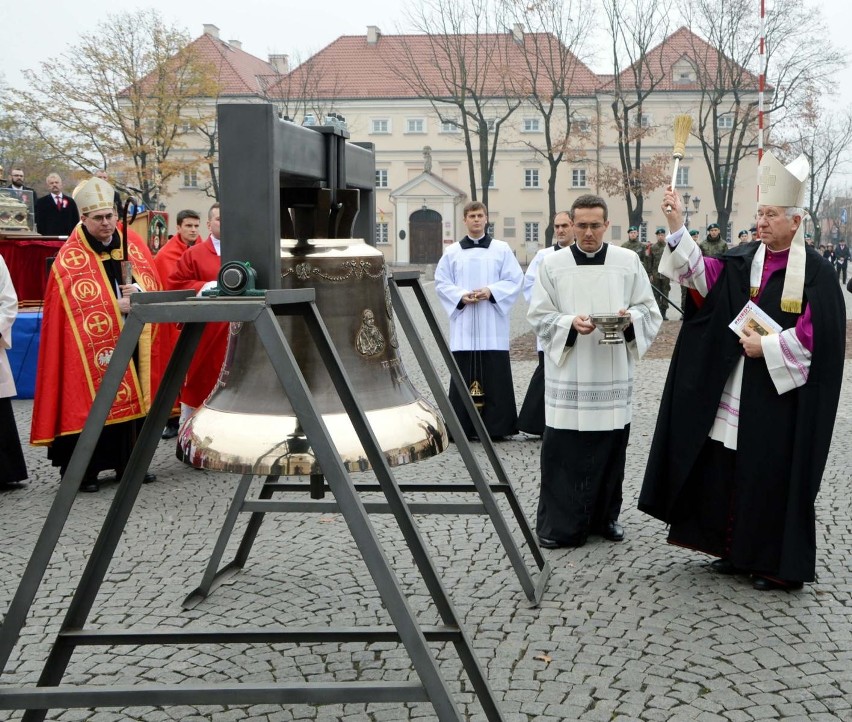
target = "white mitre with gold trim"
x: 94, y: 194
x: 785, y: 187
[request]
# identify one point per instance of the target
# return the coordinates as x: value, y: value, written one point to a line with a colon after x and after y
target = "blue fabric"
x: 23, y: 356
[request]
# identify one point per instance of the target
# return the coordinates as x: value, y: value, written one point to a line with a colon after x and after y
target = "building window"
x: 643, y: 120
x: 531, y: 178
x: 491, y: 123
x: 489, y: 229
x: 508, y: 227
x: 531, y: 232
x: 725, y: 122
x: 381, y: 125
x: 190, y: 178
x: 416, y: 125
x: 724, y: 176
x: 382, y: 238
x: 381, y: 178
x: 532, y: 125
x: 449, y: 126
x: 185, y: 127
x: 580, y: 124
x: 643, y: 231
x: 682, y: 178
x: 491, y: 180
x: 578, y: 178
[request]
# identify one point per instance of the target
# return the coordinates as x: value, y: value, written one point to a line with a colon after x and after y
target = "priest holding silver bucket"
x: 594, y: 312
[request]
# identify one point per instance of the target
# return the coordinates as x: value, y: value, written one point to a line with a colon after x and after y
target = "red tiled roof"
x: 239, y: 73
x: 683, y: 43
x: 350, y: 67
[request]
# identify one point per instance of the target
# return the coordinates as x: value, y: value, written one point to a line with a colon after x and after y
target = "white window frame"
x: 725, y: 122
x: 531, y: 125
x: 380, y: 126
x: 580, y: 124
x: 531, y: 231
x: 450, y: 125
x: 645, y: 120
x: 190, y: 178
x: 531, y: 178
x: 415, y: 126
x: 382, y: 178
x: 682, y: 178
x: 579, y: 178
x: 382, y: 234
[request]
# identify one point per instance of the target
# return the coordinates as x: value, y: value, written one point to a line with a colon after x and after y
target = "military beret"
x: 742, y: 233
x: 712, y: 226
x: 808, y: 235
x: 753, y: 229
x: 632, y: 228
x: 660, y: 230
x: 693, y: 232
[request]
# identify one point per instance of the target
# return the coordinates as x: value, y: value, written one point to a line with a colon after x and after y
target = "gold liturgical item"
x: 247, y: 424
x: 612, y: 326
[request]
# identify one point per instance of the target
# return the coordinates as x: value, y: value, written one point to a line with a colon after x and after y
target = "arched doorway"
x: 425, y: 244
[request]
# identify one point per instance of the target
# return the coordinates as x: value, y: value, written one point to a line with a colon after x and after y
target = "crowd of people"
x: 746, y: 416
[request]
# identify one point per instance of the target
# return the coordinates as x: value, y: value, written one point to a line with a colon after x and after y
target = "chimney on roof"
x: 236, y: 44
x: 281, y: 63
x: 373, y: 34
x: 518, y: 32
x: 211, y: 30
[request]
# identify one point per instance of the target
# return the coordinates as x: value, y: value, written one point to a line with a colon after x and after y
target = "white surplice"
x: 482, y: 326
x: 589, y: 386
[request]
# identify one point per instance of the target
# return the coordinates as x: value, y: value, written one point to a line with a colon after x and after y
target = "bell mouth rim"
x: 394, y: 428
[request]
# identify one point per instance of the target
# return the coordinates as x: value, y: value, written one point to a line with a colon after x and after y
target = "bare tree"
x: 727, y: 68
x: 551, y: 80
x: 464, y: 76
x: 635, y: 27
x: 119, y: 101
x: 824, y: 138
x: 309, y: 91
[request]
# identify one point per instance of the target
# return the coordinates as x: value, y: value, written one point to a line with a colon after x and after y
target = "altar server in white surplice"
x: 478, y: 280
x: 588, y: 386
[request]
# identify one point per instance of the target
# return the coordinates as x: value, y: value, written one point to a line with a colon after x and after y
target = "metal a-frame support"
x: 405, y: 629
x: 532, y: 585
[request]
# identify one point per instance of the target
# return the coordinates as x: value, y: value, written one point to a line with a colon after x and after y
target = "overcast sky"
x: 41, y: 32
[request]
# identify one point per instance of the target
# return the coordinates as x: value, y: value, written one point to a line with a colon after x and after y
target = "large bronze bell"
x: 247, y: 424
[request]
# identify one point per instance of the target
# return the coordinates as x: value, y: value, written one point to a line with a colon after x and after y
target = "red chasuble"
x: 81, y: 326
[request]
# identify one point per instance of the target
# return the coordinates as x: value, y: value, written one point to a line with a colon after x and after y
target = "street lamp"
x: 686, y: 209
x: 696, y: 201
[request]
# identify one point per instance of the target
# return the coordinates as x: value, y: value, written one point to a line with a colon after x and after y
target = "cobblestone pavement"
x: 633, y: 631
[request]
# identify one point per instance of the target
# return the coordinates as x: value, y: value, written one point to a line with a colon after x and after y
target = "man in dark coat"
x: 56, y: 214
x: 841, y: 260
x: 746, y: 419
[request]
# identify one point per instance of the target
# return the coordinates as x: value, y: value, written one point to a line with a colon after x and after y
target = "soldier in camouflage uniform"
x: 661, y: 283
x: 634, y: 244
x: 714, y: 244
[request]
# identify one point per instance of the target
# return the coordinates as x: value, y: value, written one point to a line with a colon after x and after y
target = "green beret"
x: 742, y: 233
x: 660, y: 230
x: 808, y: 235
x: 693, y: 232
x: 632, y: 228
x: 712, y: 226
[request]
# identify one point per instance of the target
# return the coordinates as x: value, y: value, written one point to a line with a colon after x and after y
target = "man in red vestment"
x: 84, y: 307
x: 198, y: 269
x: 188, y: 227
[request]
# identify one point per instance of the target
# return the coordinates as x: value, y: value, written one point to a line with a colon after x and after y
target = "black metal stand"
x: 533, y: 587
x: 194, y: 314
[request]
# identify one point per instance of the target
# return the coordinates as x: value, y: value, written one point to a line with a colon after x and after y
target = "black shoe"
x: 12, y: 485
x: 546, y: 543
x: 90, y: 486
x: 724, y: 566
x: 613, y: 531
x: 765, y: 584
x: 169, y: 432
x: 149, y: 477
